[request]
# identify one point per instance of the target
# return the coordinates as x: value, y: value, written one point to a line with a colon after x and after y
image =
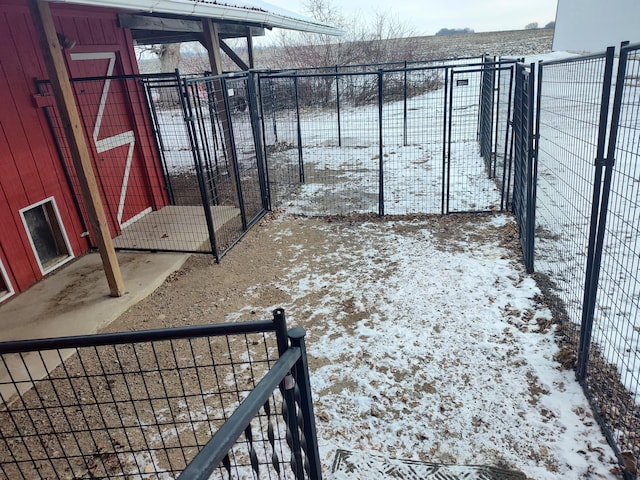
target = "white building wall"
x: 593, y: 25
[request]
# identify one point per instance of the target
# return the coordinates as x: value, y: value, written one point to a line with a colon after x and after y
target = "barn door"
x: 106, y: 111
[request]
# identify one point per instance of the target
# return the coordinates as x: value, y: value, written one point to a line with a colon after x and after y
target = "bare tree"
x: 531, y: 26
x: 383, y: 39
x: 167, y: 53
x: 169, y: 56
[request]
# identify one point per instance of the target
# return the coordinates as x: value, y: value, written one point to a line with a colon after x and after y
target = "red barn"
x: 42, y: 214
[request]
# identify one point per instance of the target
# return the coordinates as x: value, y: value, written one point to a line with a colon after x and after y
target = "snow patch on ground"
x: 438, y: 349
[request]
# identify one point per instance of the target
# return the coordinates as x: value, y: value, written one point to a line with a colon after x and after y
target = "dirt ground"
x: 204, y: 292
x: 345, y: 279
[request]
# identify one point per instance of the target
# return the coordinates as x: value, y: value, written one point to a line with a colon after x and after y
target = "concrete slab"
x: 75, y: 300
x: 178, y: 228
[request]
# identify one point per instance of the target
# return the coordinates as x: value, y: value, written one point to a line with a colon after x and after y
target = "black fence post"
x: 533, y: 165
x: 496, y: 120
x: 380, y: 147
x: 508, y: 145
x: 187, y: 108
x: 273, y: 111
x: 287, y: 388
x: 448, y: 129
x: 300, y: 158
x: 600, y: 203
x: 338, y: 107
x: 257, y: 138
x: 306, y: 417
x: 264, y: 145
x: 234, y: 153
x: 444, y: 139
x: 404, y: 117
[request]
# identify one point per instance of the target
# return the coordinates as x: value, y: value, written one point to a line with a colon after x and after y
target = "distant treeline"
x: 454, y: 31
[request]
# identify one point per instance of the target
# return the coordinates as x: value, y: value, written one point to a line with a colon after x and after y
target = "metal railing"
x: 159, y: 403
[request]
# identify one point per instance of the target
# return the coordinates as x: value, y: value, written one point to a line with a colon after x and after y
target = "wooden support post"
x: 212, y: 44
x: 233, y: 56
x: 59, y: 77
x: 252, y: 64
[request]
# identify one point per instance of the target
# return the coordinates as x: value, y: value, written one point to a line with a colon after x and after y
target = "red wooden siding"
x: 30, y: 167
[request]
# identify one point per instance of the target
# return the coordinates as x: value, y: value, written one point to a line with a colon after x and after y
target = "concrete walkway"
x: 76, y: 301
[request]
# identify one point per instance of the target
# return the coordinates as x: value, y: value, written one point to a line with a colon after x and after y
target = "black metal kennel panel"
x: 471, y: 139
x: 225, y: 140
x: 281, y: 138
x: 390, y: 142
x: 414, y: 106
x: 142, y: 158
x: 609, y: 353
x: 322, y: 141
x: 192, y: 402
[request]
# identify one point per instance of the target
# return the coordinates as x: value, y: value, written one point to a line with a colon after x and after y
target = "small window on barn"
x: 5, y: 285
x: 46, y: 234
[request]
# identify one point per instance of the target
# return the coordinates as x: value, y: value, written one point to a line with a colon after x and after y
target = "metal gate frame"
x: 488, y: 126
x: 215, y: 116
x: 525, y: 159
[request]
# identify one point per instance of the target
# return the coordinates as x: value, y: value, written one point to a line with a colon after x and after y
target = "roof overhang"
x: 252, y: 13
x: 149, y: 29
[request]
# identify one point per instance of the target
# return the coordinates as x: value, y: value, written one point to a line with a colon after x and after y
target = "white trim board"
x: 5, y: 278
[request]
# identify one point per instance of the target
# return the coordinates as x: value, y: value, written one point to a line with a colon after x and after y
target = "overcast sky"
x: 426, y: 17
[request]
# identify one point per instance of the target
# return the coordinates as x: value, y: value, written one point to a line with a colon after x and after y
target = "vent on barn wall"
x: 46, y: 234
x: 6, y: 290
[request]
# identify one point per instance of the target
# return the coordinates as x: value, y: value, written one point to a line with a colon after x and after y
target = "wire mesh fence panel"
x: 280, y: 134
x: 213, y: 166
x: 374, y: 141
x: 242, y: 105
x: 339, y: 160
x: 100, y: 408
x: 413, y: 116
x: 137, y: 158
x: 225, y: 138
x: 164, y: 98
x: 468, y: 186
x: 613, y: 375
x: 503, y: 166
x: 570, y: 102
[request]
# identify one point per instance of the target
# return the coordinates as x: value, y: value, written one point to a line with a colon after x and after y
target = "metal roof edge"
x: 258, y: 14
